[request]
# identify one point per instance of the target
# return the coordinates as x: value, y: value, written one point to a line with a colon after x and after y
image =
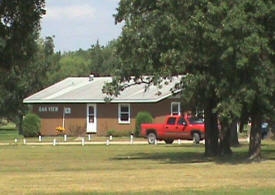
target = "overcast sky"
x: 80, y: 23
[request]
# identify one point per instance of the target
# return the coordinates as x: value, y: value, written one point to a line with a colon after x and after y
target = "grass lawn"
x: 133, y: 169
x: 8, y: 133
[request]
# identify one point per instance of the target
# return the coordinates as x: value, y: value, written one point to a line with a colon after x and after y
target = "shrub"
x: 116, y: 133
x: 142, y: 117
x: 31, y: 125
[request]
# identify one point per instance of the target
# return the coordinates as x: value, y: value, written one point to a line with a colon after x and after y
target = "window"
x: 91, y: 114
x: 182, y: 121
x: 175, y: 108
x: 171, y: 121
x: 124, y: 113
x: 196, y: 120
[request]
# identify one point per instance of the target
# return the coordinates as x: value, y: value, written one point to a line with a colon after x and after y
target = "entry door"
x: 91, y: 118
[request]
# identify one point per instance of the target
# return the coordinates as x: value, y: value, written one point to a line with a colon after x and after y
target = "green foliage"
x: 21, y: 82
x: 31, y: 125
x: 225, y: 48
x: 116, y: 133
x: 142, y: 117
x: 98, y: 60
x: 19, y: 31
x: 19, y: 23
x: 70, y: 64
x: 103, y: 59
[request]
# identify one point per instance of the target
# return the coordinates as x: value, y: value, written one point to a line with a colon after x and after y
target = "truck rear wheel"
x: 196, y: 138
x: 169, y: 141
x: 151, y: 137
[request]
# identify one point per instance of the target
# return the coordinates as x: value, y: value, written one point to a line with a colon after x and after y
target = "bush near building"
x: 31, y: 125
x: 142, y: 117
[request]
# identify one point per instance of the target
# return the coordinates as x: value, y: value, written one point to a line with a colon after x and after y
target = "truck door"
x: 172, y: 129
x: 182, y: 128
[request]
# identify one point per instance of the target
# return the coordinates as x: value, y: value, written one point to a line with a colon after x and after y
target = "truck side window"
x: 171, y: 121
x: 182, y: 121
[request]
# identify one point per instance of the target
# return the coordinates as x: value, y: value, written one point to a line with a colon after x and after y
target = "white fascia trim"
x: 89, y: 101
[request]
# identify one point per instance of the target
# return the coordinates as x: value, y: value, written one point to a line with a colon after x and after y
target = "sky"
x: 80, y: 23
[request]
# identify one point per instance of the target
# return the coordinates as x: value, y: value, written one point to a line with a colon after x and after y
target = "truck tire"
x: 169, y: 141
x: 196, y: 138
x: 151, y: 137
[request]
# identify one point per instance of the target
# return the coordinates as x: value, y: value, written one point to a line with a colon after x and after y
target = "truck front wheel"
x: 196, y: 138
x: 151, y: 138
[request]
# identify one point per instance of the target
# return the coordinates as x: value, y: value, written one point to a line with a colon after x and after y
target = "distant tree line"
x: 29, y: 63
x: 98, y: 60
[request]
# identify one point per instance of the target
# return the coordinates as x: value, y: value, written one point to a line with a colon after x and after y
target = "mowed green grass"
x: 8, y: 134
x: 133, y: 169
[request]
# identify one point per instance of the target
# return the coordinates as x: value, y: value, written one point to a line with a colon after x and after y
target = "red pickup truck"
x: 175, y: 127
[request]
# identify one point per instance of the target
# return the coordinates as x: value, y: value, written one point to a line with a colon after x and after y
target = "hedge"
x: 142, y: 117
x: 31, y: 125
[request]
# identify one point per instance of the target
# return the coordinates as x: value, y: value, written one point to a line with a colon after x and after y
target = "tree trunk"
x: 234, y: 134
x: 255, y: 138
x: 225, y: 138
x: 20, y: 124
x: 211, y: 134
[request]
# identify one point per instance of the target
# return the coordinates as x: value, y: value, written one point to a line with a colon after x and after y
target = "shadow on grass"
x: 195, y: 154
x: 270, y: 153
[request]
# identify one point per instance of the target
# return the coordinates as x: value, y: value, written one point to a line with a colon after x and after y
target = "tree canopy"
x: 225, y: 49
x: 19, y: 23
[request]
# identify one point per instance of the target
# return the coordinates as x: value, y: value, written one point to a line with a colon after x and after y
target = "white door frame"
x: 91, y: 128
x: 175, y: 103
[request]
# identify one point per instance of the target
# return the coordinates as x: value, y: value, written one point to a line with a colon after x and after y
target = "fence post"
x: 39, y: 138
x: 65, y: 138
x: 82, y: 141
x: 132, y: 139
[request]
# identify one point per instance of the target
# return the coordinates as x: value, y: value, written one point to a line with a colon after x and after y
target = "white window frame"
x: 129, y: 114
x: 177, y: 103
x: 89, y: 128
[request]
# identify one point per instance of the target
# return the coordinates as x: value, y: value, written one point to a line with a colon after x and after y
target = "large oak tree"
x: 224, y: 48
x: 19, y: 31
